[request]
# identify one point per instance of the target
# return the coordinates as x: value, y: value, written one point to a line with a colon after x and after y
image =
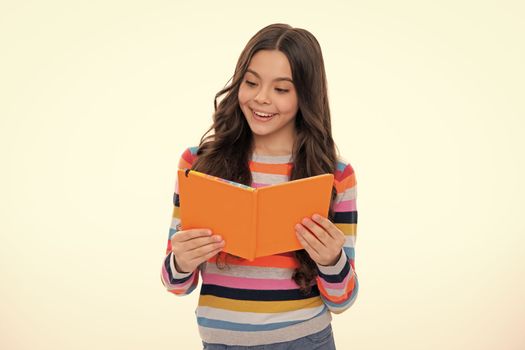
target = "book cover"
x: 254, y: 222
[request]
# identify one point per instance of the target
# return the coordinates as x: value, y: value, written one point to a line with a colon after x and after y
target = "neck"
x: 273, y: 147
x: 272, y: 152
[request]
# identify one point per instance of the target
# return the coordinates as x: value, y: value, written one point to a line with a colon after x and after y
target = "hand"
x: 321, y: 239
x: 192, y: 247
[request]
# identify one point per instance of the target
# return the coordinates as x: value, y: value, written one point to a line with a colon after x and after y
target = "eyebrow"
x: 276, y: 79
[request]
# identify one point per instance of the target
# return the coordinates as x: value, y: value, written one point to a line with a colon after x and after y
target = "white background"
x: 98, y: 99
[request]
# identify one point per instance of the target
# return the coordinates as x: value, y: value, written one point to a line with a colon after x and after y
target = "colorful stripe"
x: 260, y: 296
x: 248, y: 283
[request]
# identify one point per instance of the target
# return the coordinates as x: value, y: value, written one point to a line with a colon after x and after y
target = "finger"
x: 328, y: 227
x: 197, y: 254
x: 318, y: 231
x: 199, y: 242
x: 207, y: 256
x: 186, y: 235
x: 309, y: 249
x: 309, y: 238
x: 193, y: 248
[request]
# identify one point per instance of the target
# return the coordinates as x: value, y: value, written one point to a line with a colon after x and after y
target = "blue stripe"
x: 193, y: 149
x: 345, y: 217
x: 350, y: 252
x: 211, y: 323
x: 259, y: 294
x: 341, y: 166
x: 172, y: 232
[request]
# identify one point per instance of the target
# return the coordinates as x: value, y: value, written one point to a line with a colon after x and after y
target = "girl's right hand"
x: 192, y: 247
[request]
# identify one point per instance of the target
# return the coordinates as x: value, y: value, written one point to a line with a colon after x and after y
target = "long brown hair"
x: 226, y: 152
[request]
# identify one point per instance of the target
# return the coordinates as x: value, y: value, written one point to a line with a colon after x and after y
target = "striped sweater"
x: 257, y: 302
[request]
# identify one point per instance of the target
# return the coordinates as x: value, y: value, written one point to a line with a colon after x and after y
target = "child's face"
x: 263, y: 90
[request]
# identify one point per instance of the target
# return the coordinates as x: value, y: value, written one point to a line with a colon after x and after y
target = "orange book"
x: 254, y: 222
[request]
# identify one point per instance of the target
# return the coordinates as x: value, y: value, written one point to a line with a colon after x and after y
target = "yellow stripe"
x: 176, y: 212
x: 347, y: 229
x: 258, y: 306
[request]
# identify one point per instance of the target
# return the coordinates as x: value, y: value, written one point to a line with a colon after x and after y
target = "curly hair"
x: 225, y: 148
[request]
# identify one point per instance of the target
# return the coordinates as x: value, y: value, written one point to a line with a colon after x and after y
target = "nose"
x: 261, y: 97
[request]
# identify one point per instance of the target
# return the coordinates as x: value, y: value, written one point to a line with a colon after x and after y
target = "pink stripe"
x: 165, y: 275
x: 248, y: 283
x: 339, y: 285
x: 257, y: 185
x: 345, y: 205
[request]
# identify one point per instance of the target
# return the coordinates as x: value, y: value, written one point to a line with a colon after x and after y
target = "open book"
x: 254, y: 222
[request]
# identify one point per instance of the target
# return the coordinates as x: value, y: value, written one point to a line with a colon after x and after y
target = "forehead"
x: 270, y: 64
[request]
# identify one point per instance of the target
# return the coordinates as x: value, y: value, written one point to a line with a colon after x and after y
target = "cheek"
x: 288, y: 105
x: 243, y: 96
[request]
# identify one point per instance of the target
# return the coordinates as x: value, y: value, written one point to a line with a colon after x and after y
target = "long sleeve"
x: 176, y: 282
x: 338, y: 284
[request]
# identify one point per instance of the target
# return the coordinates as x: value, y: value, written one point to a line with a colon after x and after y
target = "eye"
x: 250, y: 83
x: 281, y: 91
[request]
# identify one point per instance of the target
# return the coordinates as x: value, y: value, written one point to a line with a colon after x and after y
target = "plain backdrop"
x: 98, y: 99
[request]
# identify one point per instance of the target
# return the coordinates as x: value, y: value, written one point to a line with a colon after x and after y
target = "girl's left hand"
x: 325, y: 244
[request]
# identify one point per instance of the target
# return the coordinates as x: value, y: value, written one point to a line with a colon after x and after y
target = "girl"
x: 272, y: 126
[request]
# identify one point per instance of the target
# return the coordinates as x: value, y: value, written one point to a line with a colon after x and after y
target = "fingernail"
x: 218, y: 238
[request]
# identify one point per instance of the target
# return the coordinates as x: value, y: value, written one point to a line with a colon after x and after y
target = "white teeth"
x: 263, y: 114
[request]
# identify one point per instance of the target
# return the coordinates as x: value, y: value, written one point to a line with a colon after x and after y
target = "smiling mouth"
x: 263, y: 116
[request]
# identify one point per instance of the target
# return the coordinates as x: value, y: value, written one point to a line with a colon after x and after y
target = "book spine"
x: 254, y: 223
